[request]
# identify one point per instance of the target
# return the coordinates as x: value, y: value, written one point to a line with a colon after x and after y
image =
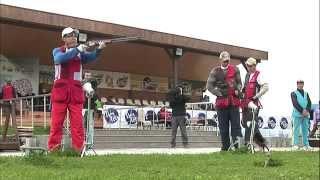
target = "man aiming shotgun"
x: 67, y: 91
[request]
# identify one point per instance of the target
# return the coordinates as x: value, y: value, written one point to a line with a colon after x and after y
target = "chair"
x: 145, y: 102
x: 114, y: 100
x: 153, y: 103
x: 167, y: 103
x: 141, y: 120
x: 137, y: 102
x: 121, y: 101
x: 189, y: 106
x: 160, y: 103
x: 130, y: 102
x: 103, y: 99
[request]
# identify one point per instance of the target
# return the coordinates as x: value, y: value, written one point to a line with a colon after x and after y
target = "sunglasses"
x: 70, y: 35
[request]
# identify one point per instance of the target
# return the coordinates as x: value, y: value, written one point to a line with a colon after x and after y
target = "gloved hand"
x: 82, y: 48
x: 101, y: 45
x: 248, y: 123
x: 252, y: 106
x: 87, y: 87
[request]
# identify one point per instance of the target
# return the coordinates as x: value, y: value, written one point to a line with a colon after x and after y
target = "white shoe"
x: 295, y: 148
x: 307, y: 148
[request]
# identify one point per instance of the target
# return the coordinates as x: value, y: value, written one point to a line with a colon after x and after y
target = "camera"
x: 178, y: 93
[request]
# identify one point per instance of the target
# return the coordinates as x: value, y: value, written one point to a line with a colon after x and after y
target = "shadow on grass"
x: 37, y: 158
x: 65, y: 153
x: 268, y: 163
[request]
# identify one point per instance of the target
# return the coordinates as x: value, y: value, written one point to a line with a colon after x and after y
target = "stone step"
x: 152, y: 144
x: 155, y: 138
x: 150, y: 132
x: 150, y: 138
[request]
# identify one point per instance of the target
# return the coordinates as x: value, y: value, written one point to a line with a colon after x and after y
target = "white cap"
x: 68, y: 30
x: 224, y: 55
x: 251, y: 61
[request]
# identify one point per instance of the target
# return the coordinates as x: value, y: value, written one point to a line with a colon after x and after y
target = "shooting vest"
x: 231, y: 99
x: 71, y: 70
x: 302, y: 101
x: 67, y: 84
x: 251, y: 87
x: 8, y: 92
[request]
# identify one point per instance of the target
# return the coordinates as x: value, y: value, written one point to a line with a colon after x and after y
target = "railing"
x: 208, y: 106
x: 35, y: 111
x: 28, y: 109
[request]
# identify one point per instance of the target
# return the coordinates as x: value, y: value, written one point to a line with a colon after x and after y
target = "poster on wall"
x: 97, y: 75
x: 23, y: 72
x: 121, y: 80
x: 194, y: 87
x: 149, y: 83
x: 114, y: 80
x: 107, y: 80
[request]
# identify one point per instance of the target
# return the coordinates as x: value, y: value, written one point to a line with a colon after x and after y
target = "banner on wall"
x: 115, y: 116
x: 23, y: 72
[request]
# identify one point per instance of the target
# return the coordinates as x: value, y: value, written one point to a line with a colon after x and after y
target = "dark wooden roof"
x: 55, y: 22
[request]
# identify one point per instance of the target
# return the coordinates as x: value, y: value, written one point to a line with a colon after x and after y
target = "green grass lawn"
x: 289, y: 165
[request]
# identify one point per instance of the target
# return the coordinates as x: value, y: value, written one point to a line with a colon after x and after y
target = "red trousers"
x: 66, y: 95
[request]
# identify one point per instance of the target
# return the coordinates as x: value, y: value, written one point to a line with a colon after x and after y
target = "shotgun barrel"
x: 93, y: 43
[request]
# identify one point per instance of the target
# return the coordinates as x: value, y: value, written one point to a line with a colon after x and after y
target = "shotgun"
x: 93, y: 44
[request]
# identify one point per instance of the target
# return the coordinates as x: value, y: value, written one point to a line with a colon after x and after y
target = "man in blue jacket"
x: 300, y: 115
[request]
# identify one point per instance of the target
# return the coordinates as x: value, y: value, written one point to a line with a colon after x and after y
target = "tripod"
x: 89, y: 126
x: 252, y: 132
x: 236, y: 144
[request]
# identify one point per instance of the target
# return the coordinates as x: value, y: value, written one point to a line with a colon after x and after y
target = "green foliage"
x: 37, y: 130
x: 41, y: 130
x: 10, y: 130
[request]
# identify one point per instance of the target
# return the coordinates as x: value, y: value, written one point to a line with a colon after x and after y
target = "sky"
x: 287, y: 29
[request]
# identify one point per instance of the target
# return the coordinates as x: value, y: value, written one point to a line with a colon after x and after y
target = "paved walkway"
x: 152, y: 151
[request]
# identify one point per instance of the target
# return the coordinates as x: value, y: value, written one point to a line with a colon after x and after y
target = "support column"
x: 174, y: 54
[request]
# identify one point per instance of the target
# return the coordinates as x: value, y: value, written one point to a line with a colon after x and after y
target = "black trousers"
x: 179, y: 121
x: 226, y: 117
x: 7, y: 109
x: 247, y: 115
